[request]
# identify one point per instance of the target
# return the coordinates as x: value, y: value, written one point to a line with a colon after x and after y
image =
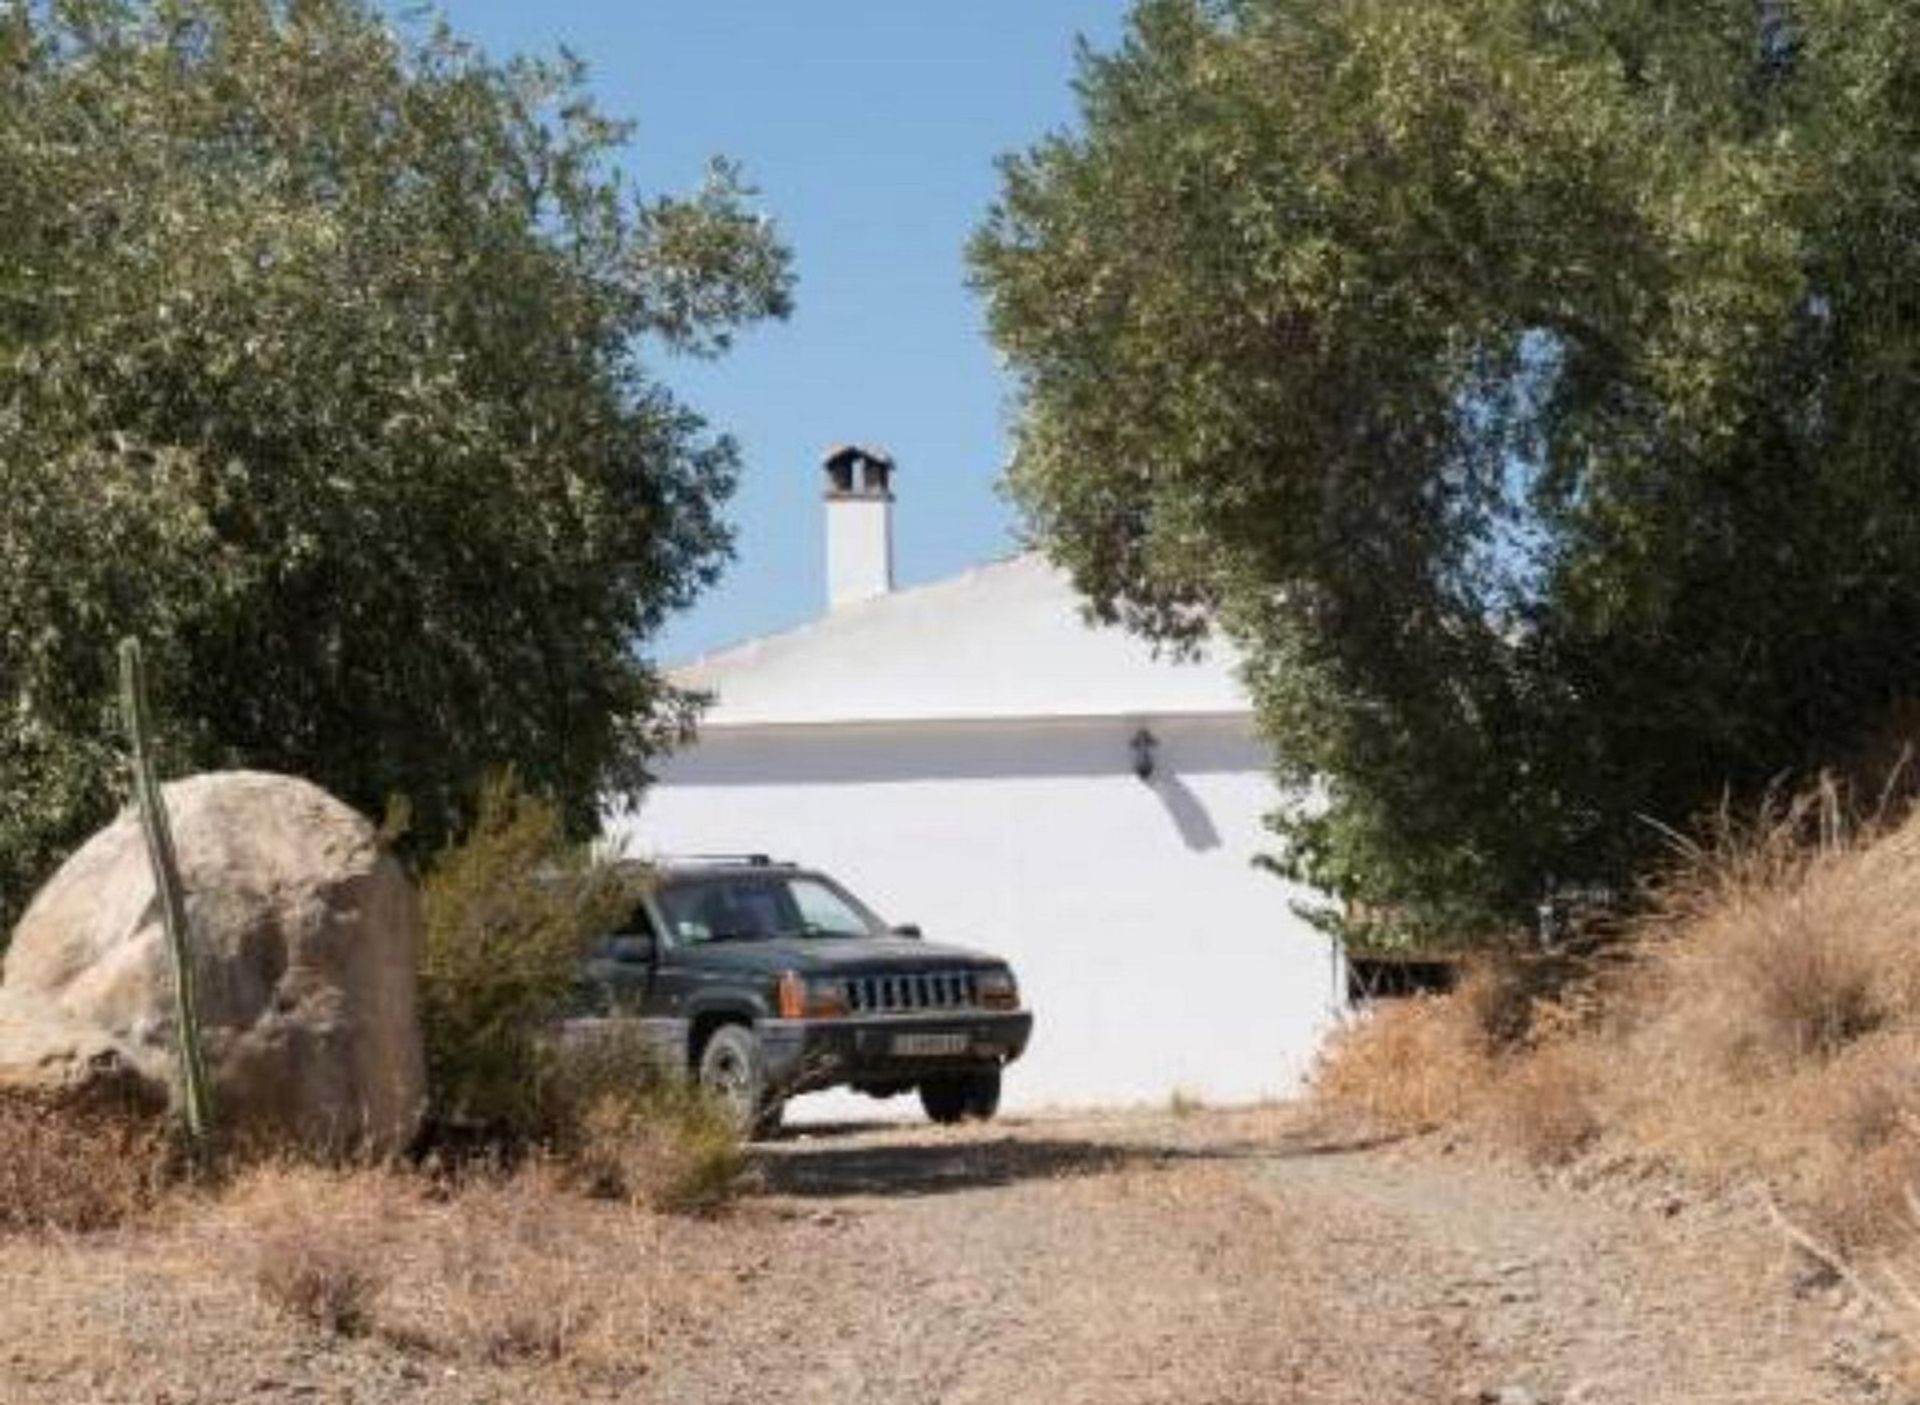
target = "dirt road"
x: 1205, y: 1258
x: 1242, y: 1259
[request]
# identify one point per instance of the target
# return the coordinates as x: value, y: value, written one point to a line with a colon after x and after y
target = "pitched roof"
x: 1002, y: 641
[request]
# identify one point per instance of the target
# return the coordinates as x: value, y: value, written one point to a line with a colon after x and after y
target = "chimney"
x: 859, y: 524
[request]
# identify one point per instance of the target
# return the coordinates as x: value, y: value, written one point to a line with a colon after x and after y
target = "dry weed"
x: 1544, y: 1104
x: 1768, y: 1027
x: 673, y: 1150
x: 1773, y: 1028
x: 623, y: 1125
x: 506, y: 1269
x: 311, y: 1241
x: 77, y: 1169
x: 1860, y: 1203
x: 522, y: 1270
x: 317, y: 1277
x: 1406, y: 1067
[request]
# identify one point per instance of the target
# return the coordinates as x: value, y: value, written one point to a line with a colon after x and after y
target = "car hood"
x: 842, y: 956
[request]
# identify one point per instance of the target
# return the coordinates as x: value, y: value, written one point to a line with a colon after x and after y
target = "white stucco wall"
x: 1155, y: 957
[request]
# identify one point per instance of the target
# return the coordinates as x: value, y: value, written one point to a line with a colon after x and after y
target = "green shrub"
x: 510, y: 911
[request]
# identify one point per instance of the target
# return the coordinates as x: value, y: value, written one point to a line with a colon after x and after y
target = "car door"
x: 622, y: 970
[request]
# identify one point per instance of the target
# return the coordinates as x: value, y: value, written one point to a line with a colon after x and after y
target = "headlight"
x: 815, y: 999
x: 999, y: 990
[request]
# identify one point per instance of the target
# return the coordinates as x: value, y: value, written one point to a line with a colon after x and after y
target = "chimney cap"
x: 856, y: 471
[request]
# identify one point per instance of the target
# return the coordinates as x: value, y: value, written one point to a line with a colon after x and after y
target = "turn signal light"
x: 802, y: 999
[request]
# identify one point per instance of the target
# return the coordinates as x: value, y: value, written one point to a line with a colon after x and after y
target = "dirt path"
x: 1206, y: 1258
x: 1229, y: 1259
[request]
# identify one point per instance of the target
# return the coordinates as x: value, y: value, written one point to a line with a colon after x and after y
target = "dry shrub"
x: 1795, y: 977
x: 1766, y: 1028
x: 624, y: 1125
x: 312, y: 1241
x: 312, y: 1274
x: 1500, y: 995
x: 1545, y: 1105
x: 1408, y: 1066
x: 1785, y: 940
x: 671, y: 1150
x: 1773, y: 1028
x: 77, y: 1168
x: 1779, y: 978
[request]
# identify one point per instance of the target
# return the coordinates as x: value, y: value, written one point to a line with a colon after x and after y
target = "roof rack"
x: 740, y: 860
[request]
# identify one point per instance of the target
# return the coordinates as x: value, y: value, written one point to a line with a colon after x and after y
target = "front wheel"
x: 962, y: 1097
x: 734, y: 1072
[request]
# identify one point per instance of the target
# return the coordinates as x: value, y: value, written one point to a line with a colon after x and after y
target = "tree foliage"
x: 1528, y: 386
x: 320, y: 370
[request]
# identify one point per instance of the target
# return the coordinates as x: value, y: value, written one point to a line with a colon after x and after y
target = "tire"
x: 734, y: 1071
x: 962, y: 1097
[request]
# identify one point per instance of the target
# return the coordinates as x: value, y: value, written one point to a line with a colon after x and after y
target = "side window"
x: 606, y: 986
x: 639, y: 923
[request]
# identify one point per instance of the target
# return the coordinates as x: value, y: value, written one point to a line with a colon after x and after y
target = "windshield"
x: 757, y: 906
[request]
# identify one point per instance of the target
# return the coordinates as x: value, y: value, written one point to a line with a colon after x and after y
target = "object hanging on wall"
x: 1143, y: 744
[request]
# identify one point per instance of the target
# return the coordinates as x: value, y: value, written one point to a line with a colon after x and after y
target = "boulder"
x: 59, y: 1061
x: 306, y: 938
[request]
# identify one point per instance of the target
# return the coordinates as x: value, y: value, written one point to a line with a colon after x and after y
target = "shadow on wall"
x: 853, y: 754
x: 1189, y: 816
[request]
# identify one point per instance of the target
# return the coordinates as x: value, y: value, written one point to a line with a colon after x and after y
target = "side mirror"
x: 632, y: 949
x: 909, y: 929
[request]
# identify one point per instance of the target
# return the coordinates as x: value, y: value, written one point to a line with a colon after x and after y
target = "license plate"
x: 923, y: 1046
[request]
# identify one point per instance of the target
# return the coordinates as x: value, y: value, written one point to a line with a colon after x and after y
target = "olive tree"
x: 1527, y: 386
x: 324, y: 369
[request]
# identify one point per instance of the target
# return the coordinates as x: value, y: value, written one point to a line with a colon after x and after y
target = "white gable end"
x: 1006, y: 640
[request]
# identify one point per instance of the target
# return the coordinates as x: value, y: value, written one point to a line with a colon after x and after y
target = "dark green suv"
x: 765, y: 980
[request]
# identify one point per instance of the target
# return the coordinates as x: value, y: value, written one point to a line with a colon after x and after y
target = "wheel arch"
x: 706, y: 1021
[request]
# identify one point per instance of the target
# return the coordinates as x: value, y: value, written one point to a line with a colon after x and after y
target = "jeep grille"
x: 922, y: 990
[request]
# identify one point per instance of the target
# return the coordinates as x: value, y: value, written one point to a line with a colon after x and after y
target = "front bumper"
x: 803, y: 1055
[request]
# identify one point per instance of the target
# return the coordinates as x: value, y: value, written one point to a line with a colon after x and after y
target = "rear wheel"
x: 962, y: 1097
x: 734, y: 1071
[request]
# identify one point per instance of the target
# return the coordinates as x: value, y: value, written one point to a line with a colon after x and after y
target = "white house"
x: 974, y: 757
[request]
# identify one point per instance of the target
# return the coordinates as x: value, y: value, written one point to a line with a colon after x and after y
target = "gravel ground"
x: 1213, y: 1257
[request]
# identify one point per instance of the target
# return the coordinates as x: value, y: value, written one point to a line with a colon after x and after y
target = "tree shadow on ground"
x: 830, y: 1161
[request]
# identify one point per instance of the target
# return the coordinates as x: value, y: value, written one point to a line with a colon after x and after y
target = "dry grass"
x: 1775, y: 1027
x: 624, y: 1126
x: 514, y: 1269
x: 77, y: 1169
x: 1545, y: 1104
x: 671, y: 1150
x: 1767, y: 1029
x: 307, y: 1269
x: 1406, y: 1067
x: 310, y: 1241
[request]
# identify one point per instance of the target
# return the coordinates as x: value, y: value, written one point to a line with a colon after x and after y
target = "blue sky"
x: 870, y: 127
